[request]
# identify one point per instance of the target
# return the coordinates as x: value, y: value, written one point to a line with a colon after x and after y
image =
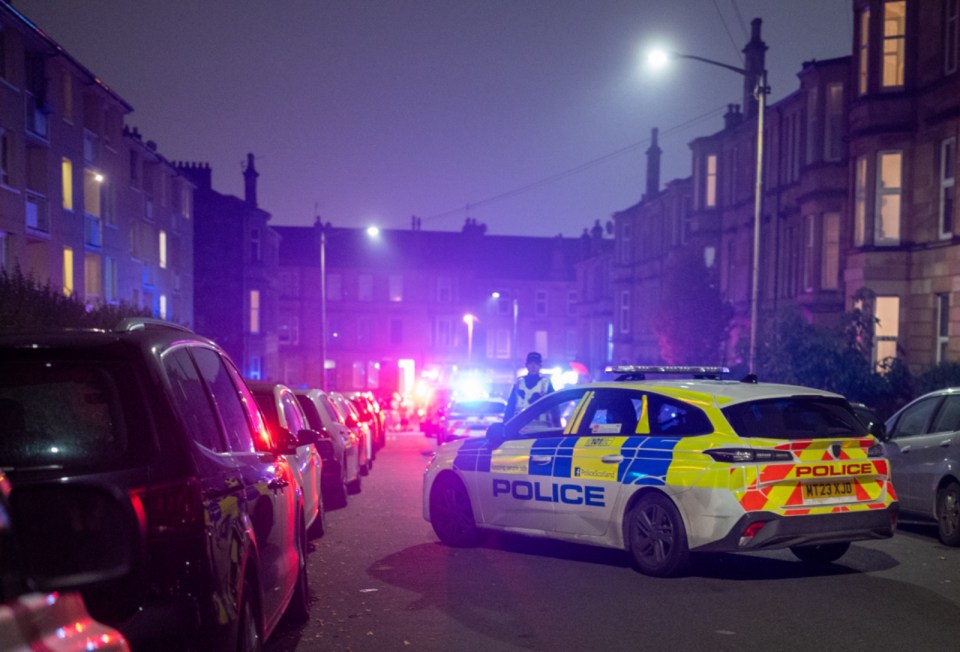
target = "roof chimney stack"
x: 250, y: 175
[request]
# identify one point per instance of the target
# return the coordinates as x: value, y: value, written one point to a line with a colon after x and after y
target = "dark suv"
x: 161, y: 414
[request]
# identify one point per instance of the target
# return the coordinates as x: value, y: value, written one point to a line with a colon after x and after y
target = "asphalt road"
x: 381, y: 581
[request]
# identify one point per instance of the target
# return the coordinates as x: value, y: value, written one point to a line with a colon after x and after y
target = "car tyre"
x: 948, y: 514
x: 338, y: 494
x: 823, y: 553
x: 299, y: 607
x: 451, y: 514
x: 248, y: 629
x: 656, y: 537
x: 319, y: 526
x: 354, y: 487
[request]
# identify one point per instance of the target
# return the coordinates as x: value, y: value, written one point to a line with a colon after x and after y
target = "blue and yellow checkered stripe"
x: 646, y: 460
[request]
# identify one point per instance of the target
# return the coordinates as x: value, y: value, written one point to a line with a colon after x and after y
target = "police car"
x: 662, y: 467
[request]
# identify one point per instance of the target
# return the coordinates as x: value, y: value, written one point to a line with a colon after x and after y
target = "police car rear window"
x: 795, y: 417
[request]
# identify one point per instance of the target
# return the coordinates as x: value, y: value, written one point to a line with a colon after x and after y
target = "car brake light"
x: 875, y: 451
x: 171, y: 506
x: 735, y: 455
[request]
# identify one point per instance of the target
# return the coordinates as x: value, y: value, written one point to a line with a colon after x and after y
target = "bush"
x: 26, y: 305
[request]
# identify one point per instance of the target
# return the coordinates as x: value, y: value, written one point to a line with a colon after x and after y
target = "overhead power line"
x: 575, y: 170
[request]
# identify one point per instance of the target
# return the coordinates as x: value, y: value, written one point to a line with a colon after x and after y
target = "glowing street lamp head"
x: 494, y: 295
x: 469, y: 319
x: 658, y: 58
x: 373, y: 231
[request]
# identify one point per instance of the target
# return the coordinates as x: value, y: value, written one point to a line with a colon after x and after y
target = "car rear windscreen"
x: 63, y: 414
x: 795, y: 417
x: 478, y: 409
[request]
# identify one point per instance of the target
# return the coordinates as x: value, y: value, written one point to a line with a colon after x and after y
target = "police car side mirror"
x: 879, y: 430
x: 496, y: 432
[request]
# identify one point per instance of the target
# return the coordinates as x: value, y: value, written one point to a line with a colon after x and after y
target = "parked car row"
x: 224, y: 480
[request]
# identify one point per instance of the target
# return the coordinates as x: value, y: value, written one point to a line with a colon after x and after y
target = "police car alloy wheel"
x: 948, y: 514
x: 656, y: 536
x: 451, y: 514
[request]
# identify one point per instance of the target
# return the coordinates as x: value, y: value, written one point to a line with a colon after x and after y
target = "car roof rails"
x: 130, y: 324
x: 639, y: 372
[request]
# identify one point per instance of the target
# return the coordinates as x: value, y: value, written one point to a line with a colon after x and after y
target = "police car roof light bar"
x: 639, y: 372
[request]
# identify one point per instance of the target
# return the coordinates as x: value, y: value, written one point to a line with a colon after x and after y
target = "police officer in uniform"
x: 528, y: 388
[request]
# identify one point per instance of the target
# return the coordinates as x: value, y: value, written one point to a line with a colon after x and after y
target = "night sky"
x: 534, y: 113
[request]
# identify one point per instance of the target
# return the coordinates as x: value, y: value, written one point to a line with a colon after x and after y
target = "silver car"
x: 923, y: 446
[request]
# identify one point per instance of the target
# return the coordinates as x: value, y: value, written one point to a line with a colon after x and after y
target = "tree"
x: 692, y: 321
x: 26, y: 305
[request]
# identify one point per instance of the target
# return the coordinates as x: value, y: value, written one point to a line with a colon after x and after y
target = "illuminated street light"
x: 659, y: 59
x: 373, y: 231
x: 470, y: 320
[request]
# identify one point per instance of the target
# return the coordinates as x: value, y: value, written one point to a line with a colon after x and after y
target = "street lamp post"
x: 469, y: 320
x: 761, y: 91
x: 323, y: 308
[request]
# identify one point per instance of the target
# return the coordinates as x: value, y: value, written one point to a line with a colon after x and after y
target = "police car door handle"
x: 540, y: 459
x: 612, y: 459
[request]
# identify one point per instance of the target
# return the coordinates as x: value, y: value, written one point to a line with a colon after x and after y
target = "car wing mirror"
x: 307, y: 436
x: 879, y: 430
x: 496, y: 433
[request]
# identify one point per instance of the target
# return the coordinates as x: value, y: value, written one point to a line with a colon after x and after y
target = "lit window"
x: 887, y: 328
x: 254, y: 311
x: 68, y: 271
x: 67, y: 186
x: 860, y: 208
x: 710, y: 187
x: 830, y: 266
x: 163, y: 306
x: 163, y: 249
x: 894, y: 38
x: 948, y: 182
x: 92, y: 277
x: 92, y: 192
x: 943, y: 326
x: 889, y: 196
x: 864, y: 52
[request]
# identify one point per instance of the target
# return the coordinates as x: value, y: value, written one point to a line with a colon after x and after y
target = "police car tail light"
x: 738, y: 455
x: 875, y: 451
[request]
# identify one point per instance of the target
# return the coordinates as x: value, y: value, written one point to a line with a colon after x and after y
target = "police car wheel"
x: 656, y: 536
x: 948, y: 514
x: 820, y: 554
x: 451, y: 514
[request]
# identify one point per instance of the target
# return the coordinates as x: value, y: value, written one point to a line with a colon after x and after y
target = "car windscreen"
x: 67, y: 414
x: 795, y: 417
x: 477, y: 409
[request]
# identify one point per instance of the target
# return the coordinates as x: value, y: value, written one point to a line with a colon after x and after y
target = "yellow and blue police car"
x: 665, y: 466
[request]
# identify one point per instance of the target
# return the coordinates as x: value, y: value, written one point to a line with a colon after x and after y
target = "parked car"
x: 54, y: 540
x: 341, y: 474
x: 922, y: 443
x: 470, y: 418
x: 288, y: 424
x: 161, y: 415
x: 369, y: 411
x: 351, y: 418
x: 433, y: 412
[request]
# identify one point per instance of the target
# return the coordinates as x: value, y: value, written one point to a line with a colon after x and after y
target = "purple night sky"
x: 535, y: 113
